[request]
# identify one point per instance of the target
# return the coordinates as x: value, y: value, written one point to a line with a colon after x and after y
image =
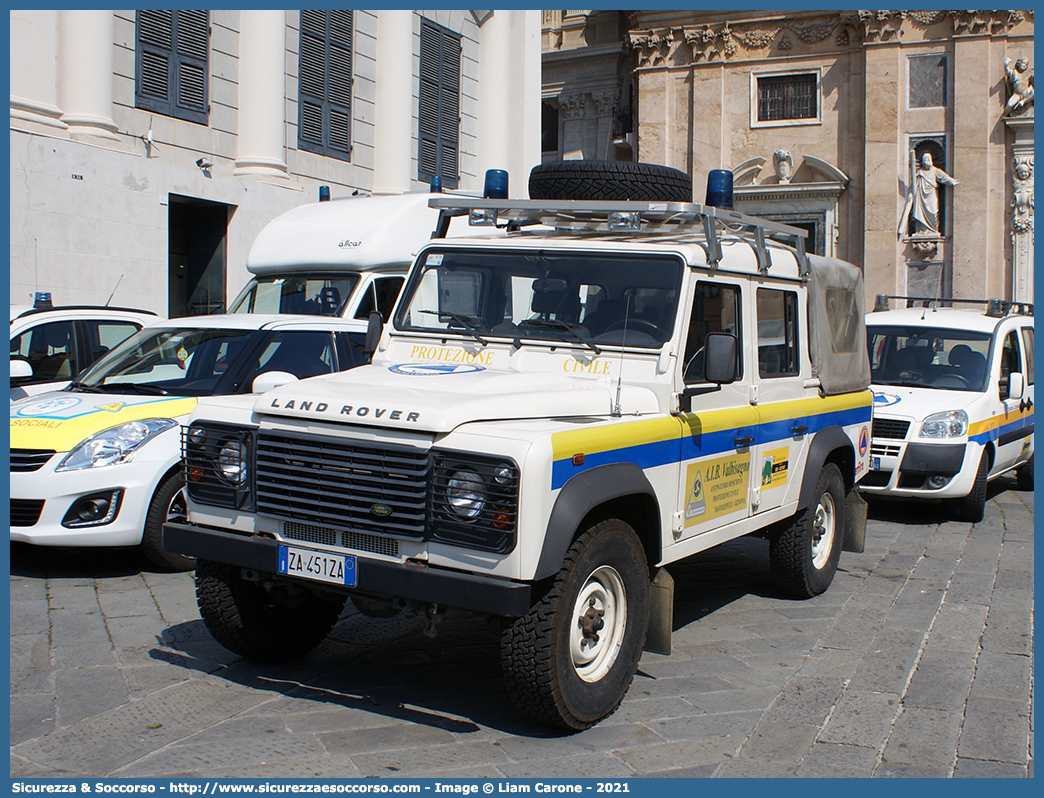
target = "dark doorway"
x: 197, y: 247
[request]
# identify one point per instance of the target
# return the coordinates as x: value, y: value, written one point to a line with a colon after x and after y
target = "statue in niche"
x: 1020, y: 84
x: 922, y: 203
x: 783, y: 163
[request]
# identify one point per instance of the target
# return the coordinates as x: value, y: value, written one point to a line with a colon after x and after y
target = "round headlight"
x: 197, y: 435
x: 232, y: 462
x: 466, y: 493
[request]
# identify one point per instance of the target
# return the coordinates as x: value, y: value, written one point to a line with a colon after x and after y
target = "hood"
x: 918, y: 403
x: 438, y: 397
x: 60, y: 421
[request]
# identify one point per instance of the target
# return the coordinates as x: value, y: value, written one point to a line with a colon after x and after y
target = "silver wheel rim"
x: 597, y: 625
x: 824, y: 526
x: 177, y: 510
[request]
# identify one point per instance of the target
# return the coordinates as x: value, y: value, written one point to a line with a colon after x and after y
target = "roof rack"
x: 994, y: 307
x: 626, y: 217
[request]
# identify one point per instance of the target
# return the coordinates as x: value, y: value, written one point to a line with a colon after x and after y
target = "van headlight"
x: 114, y: 446
x: 951, y: 424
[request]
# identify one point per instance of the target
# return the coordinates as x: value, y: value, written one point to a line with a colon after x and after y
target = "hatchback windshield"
x: 310, y: 294
x: 182, y: 362
x: 928, y: 357
x: 588, y: 299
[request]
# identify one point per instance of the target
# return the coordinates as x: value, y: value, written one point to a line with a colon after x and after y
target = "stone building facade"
x: 148, y: 152
x: 825, y: 118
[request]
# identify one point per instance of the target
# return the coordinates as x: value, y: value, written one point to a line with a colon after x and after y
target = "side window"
x: 1027, y: 340
x: 715, y: 308
x: 351, y: 350
x: 171, y: 55
x: 303, y: 354
x: 777, y: 333
x: 104, y: 335
x: 438, y: 117
x: 1010, y: 361
x: 380, y: 296
x: 325, y: 103
x: 50, y: 349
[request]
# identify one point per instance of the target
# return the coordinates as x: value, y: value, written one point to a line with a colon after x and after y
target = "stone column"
x: 261, y: 136
x: 34, y: 68
x: 1021, y: 211
x: 495, y: 90
x: 85, y: 61
x: 393, y: 112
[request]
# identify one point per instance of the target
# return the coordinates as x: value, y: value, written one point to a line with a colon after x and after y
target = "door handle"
x: 744, y: 441
x: 1025, y: 404
x: 798, y: 430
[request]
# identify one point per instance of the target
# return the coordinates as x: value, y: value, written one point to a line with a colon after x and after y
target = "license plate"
x: 875, y: 463
x: 317, y: 565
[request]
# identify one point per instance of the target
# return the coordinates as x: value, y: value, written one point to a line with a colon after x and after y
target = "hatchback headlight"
x: 114, y: 446
x: 951, y: 424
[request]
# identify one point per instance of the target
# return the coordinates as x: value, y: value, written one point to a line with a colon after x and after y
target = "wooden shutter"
x: 325, y: 81
x: 173, y: 48
x: 439, y: 104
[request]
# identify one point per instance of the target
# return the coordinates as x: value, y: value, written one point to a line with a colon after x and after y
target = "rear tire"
x: 1024, y: 475
x: 277, y: 623
x: 609, y: 180
x: 168, y: 504
x: 570, y: 660
x: 973, y: 506
x: 804, y: 555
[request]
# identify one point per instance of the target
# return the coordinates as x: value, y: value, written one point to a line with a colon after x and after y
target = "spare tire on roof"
x: 609, y: 180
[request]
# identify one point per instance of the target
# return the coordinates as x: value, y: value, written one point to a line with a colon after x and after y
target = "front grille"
x: 890, y: 428
x: 885, y: 450
x: 30, y: 459
x: 309, y: 533
x: 875, y: 479
x: 346, y: 484
x: 26, y: 512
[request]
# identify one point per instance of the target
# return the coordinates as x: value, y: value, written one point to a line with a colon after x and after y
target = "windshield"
x: 582, y: 298
x: 928, y: 357
x: 180, y: 362
x: 311, y: 294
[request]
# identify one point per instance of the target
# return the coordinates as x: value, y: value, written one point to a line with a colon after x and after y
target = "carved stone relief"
x: 1022, y: 201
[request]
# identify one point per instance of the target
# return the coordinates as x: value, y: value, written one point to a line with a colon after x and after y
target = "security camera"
x: 203, y: 163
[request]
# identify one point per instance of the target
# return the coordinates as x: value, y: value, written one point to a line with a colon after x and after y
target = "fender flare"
x: 577, y: 498
x: 827, y: 440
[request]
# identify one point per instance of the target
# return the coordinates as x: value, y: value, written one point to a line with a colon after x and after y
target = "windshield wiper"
x: 572, y: 329
x: 82, y: 387
x: 131, y: 387
x: 468, y: 322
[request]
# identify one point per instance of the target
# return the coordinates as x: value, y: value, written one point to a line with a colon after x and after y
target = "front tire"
x: 1024, y: 475
x: 274, y: 623
x: 973, y: 506
x: 804, y: 555
x: 168, y: 504
x: 570, y: 660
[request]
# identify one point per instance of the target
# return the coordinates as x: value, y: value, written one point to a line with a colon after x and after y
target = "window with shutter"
x: 439, y: 108
x: 171, y: 54
x: 325, y: 82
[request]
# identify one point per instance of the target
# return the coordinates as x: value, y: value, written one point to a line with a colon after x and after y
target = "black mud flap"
x: 661, y: 613
x: 855, y: 522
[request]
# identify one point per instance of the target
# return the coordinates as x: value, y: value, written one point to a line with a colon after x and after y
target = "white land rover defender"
x: 551, y: 417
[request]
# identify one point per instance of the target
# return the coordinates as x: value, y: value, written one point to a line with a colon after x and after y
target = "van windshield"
x: 581, y: 298
x: 928, y: 357
x: 310, y: 294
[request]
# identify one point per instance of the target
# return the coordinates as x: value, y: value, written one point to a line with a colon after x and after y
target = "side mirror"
x: 719, y: 365
x: 1016, y: 386
x: 374, y: 327
x: 20, y: 370
x: 271, y: 379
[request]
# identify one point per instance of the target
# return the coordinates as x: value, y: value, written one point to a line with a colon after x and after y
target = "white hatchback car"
x: 99, y: 463
x: 51, y: 345
x: 953, y: 402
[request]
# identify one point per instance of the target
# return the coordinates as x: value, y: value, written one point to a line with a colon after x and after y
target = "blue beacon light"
x: 719, y: 188
x: 496, y: 186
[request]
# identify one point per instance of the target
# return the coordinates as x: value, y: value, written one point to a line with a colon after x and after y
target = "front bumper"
x: 375, y: 577
x: 903, y: 468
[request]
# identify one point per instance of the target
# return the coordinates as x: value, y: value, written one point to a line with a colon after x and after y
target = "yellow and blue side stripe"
x: 1019, y: 424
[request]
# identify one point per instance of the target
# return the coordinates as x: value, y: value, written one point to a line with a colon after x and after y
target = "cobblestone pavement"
x: 917, y: 661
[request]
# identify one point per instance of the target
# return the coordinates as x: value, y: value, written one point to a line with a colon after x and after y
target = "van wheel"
x: 1024, y: 475
x: 570, y: 660
x: 274, y: 623
x: 609, y: 180
x: 973, y: 506
x: 168, y: 504
x: 804, y: 555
